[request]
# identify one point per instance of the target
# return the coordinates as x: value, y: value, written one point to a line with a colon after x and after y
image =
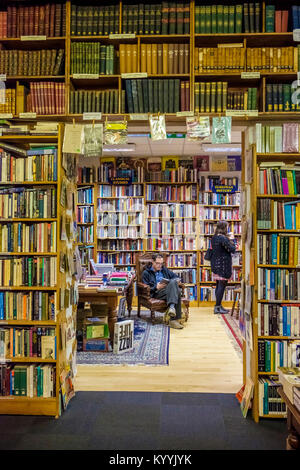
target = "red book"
x: 20, y: 21
x: 14, y: 22
x: 52, y: 20
x: 284, y: 21
x: 26, y: 21
x: 56, y: 99
x: 31, y: 21
x: 41, y: 20
x: 45, y: 86
x: 278, y: 21
x: 63, y: 98
x: 1, y: 25
x: 38, y: 98
x: 36, y: 20
x: 9, y: 22
x: 47, y: 20
x: 52, y: 99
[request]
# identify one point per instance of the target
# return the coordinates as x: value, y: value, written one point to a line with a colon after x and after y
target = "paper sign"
x: 250, y: 75
x: 6, y: 116
x: 185, y: 113
x: 89, y: 76
x: 242, y: 112
x: 92, y: 116
x: 73, y: 138
x: 122, y: 36
x: 296, y: 35
x: 138, y: 117
x: 3, y: 77
x: 27, y: 115
x: 34, y: 38
x: 135, y: 75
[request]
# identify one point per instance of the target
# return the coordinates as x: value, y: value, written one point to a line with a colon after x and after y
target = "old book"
x: 134, y: 67
x: 186, y: 58
x: 197, y: 97
x: 149, y: 58
x: 181, y: 51
x: 129, y: 61
x: 171, y: 59
x: 143, y: 58
x: 176, y: 59
x: 122, y: 58
x: 165, y: 59
x: 154, y: 58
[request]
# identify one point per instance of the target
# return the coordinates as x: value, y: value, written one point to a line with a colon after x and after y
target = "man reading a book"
x: 164, y: 286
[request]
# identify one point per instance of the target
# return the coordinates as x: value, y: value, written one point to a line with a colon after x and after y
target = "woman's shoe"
x: 223, y: 310
x: 217, y: 309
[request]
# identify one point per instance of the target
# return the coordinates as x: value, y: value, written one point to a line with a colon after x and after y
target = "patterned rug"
x: 231, y: 326
x: 151, y: 347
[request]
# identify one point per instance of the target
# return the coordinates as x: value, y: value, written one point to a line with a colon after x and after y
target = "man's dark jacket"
x: 149, y: 277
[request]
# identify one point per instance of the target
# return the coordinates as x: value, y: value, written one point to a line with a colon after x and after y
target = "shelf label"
x: 34, y: 38
x: 92, y: 116
x: 296, y: 35
x: 3, y: 77
x: 6, y: 116
x: 138, y: 117
x: 135, y: 75
x: 185, y: 114
x: 91, y: 76
x: 122, y: 36
x: 242, y: 112
x: 250, y: 75
x: 27, y: 115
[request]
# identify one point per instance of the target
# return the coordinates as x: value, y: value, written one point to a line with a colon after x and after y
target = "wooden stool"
x: 236, y: 300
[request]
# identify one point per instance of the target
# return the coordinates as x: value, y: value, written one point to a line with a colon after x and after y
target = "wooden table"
x: 293, y: 423
x: 108, y: 297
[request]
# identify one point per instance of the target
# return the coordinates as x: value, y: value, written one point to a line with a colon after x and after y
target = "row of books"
x: 28, y: 380
x: 274, y: 354
x: 85, y: 196
x: 245, y: 99
x: 223, y: 59
x: 92, y: 101
x: 120, y: 218
x: 27, y: 342
x: 210, y: 97
x: 28, y: 271
x: 30, y: 63
x: 120, y: 232
x: 215, y: 199
x: 10, y: 102
x: 205, y: 241
x: 120, y: 205
x: 277, y: 139
x: 120, y: 245
x: 117, y: 258
x: 85, y: 215
x: 269, y: 400
x: 272, y: 59
x: 163, y: 58
x: 205, y: 274
x: 278, y: 249
x: 85, y: 234
x: 85, y: 254
x: 27, y: 203
x: 186, y: 276
x: 151, y: 96
x: 106, y: 172
x: 170, y: 228
x: 285, y: 179
x: 28, y: 238
x: 48, y: 20
x: 226, y: 19
x: 164, y: 18
x: 277, y: 20
x: 121, y: 191
x: 277, y: 215
x: 278, y: 320
x: 182, y: 260
x: 171, y: 211
x: 236, y: 258
x: 278, y: 284
x: 171, y: 193
x: 279, y: 98
x: 47, y: 98
x: 93, y: 58
x: 39, y: 165
x: 207, y: 183
x: 190, y: 292
x: 30, y: 306
x: 207, y: 294
x: 207, y: 227
x: 171, y: 244
x: 94, y: 20
x: 218, y: 214
x: 180, y: 175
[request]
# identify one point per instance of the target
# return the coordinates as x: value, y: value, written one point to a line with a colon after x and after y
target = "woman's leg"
x: 220, y: 289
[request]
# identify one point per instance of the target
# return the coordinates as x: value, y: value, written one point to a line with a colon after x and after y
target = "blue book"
x: 288, y: 216
x: 266, y: 399
x: 298, y: 16
x: 284, y: 321
x: 274, y: 248
x: 295, y: 16
x: 288, y: 321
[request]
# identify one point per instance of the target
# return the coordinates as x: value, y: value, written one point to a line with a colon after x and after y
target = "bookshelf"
x: 31, y: 288
x: 274, y: 273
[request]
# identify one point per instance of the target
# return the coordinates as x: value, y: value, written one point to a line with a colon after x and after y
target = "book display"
x: 32, y: 281
x: 273, y: 314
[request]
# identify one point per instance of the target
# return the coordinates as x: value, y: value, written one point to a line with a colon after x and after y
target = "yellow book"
x: 263, y: 59
x: 154, y: 58
x: 196, y: 59
x: 165, y: 59
x: 128, y: 58
x: 197, y: 101
x: 149, y: 58
x: 204, y: 67
x: 296, y: 248
x: 293, y: 58
x: 200, y: 61
x: 134, y: 58
x: 298, y: 216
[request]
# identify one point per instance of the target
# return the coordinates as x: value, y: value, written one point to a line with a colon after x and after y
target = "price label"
x: 34, y: 38
x: 27, y: 115
x: 3, y: 77
x: 138, y: 117
x: 296, y: 35
x: 122, y: 36
x: 253, y: 113
x: 92, y: 116
x: 6, y: 116
x: 185, y: 114
x: 90, y: 76
x: 248, y: 75
x: 135, y: 75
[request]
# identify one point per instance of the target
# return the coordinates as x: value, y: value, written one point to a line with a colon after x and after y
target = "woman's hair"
x: 222, y: 228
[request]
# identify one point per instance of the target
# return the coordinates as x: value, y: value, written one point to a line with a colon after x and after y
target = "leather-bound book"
x: 187, y: 96
x: 154, y: 58
x: 41, y: 20
x: 57, y: 25
x: 159, y: 59
x: 36, y: 20
x: 26, y: 22
x: 182, y: 96
x: 176, y: 59
x: 186, y: 58
x: 165, y: 58
x: 171, y: 59
x: 149, y: 58
x: 47, y: 20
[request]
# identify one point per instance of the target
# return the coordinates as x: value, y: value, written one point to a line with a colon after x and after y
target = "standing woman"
x: 221, y: 264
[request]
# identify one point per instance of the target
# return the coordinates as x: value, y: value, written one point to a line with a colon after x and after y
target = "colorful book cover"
x: 169, y: 163
x: 219, y: 163
x: 201, y: 162
x: 154, y: 164
x: 234, y: 163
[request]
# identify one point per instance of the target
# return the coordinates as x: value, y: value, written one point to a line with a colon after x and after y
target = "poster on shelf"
x: 73, y: 138
x: 219, y: 163
x: 221, y: 130
x: 234, y: 163
x: 92, y: 140
x: 158, y: 127
x: 201, y: 162
x: 169, y: 163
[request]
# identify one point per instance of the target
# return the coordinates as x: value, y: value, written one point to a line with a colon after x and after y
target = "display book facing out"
x: 167, y: 206
x: 79, y: 64
x: 37, y: 291
x: 271, y: 216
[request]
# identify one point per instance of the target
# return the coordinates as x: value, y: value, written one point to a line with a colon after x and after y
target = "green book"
x: 186, y: 18
x: 140, y: 96
x: 224, y: 95
x: 197, y: 19
x: 116, y: 19
x: 134, y: 96
x: 213, y: 97
x: 145, y: 96
x: 208, y: 19
x: 157, y: 19
x: 171, y: 103
x: 130, y: 18
x: 251, y: 18
x: 166, y: 96
x: 238, y: 19
x: 90, y: 16
x: 141, y: 18
x: 161, y: 101
x: 111, y: 21
x: 100, y: 21
x: 231, y: 22
x: 106, y: 101
x: 197, y: 97
x: 95, y: 13
x: 155, y: 96
x: 152, y: 19
x: 226, y: 19
x: 102, y: 59
x: 202, y: 21
x: 79, y: 21
x: 254, y: 98
x: 207, y: 96
x: 269, y: 96
x: 124, y: 19
x: 73, y: 19
x: 150, y: 96
x: 147, y: 19
x: 179, y: 18
x: 219, y: 98
x: 270, y: 18
x: 220, y: 19
x: 106, y: 21
x: 172, y: 18
x: 214, y: 18
x: 257, y: 17
x: 176, y: 95
x: 85, y: 14
x: 293, y: 106
x: 286, y: 97
x: 164, y: 18
x: 246, y: 18
x: 275, y: 97
x: 202, y: 97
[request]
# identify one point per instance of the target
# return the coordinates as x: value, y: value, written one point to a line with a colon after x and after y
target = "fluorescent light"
x: 119, y: 148
x: 221, y: 149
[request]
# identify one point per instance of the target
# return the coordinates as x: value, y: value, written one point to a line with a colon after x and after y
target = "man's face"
x: 157, y: 264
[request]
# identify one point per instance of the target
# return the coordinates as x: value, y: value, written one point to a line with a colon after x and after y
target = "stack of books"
x: 289, y: 377
x: 96, y: 334
x: 224, y: 19
x: 277, y: 20
x: 279, y: 98
x: 31, y: 62
x: 87, y: 101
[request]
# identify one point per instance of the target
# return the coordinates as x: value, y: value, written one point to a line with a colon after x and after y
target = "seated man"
x: 164, y: 286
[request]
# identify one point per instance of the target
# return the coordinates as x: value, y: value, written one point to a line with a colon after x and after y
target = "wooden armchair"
x: 143, y: 292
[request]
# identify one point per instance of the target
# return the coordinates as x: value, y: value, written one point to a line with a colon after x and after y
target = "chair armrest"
x: 143, y: 289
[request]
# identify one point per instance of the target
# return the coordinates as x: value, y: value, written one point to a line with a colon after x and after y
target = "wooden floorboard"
x: 201, y: 359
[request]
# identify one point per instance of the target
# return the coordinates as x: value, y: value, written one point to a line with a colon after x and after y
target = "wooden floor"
x: 201, y: 359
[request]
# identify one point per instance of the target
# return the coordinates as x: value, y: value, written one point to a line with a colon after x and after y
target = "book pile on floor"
x: 289, y: 377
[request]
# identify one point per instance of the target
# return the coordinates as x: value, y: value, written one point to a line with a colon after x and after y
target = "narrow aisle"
x: 201, y: 359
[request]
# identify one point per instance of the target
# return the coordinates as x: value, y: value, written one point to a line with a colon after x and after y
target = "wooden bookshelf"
x: 15, y: 404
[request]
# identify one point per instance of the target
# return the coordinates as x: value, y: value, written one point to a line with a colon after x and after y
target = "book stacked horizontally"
x: 289, y: 377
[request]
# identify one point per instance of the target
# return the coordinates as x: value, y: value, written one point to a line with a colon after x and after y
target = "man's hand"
x: 160, y: 285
